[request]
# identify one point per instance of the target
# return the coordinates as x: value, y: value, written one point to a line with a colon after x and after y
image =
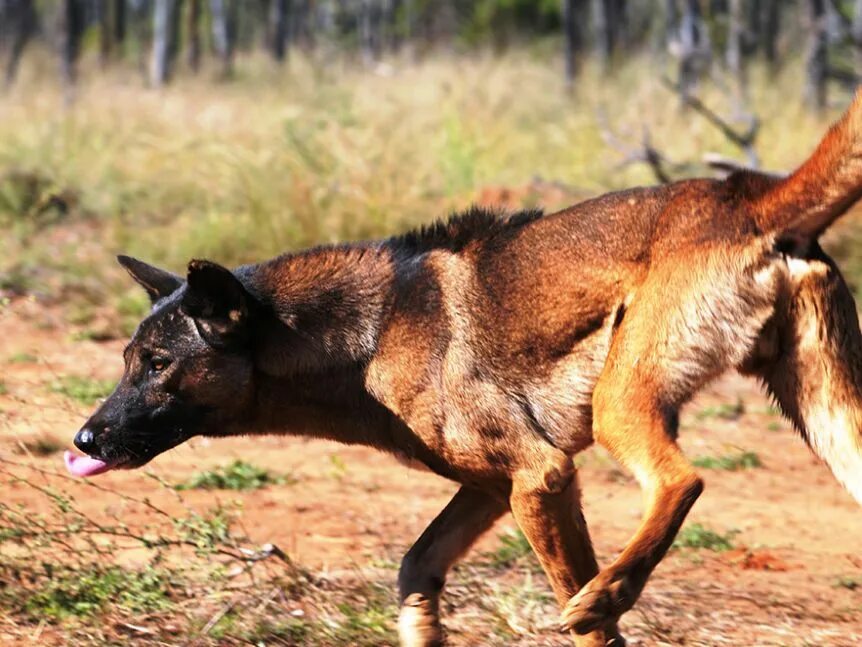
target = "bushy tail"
x: 823, y: 188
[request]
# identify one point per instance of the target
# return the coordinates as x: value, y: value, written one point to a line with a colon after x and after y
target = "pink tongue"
x: 84, y: 465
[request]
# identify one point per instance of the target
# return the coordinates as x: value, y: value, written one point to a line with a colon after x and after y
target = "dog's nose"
x: 85, y: 440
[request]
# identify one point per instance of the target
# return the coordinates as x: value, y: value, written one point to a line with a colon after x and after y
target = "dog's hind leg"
x: 546, y: 504
x: 423, y: 570
x: 682, y: 329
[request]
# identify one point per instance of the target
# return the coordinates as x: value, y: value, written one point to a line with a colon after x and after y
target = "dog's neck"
x: 320, y: 316
x: 323, y: 308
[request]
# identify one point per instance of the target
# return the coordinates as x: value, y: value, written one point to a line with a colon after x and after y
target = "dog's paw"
x: 597, y: 605
x: 418, y: 623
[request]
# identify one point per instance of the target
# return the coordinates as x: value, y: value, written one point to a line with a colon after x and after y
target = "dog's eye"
x: 158, y: 364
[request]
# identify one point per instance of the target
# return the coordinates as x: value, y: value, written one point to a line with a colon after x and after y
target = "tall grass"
x: 282, y: 159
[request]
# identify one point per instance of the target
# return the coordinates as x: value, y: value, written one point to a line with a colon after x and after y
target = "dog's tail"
x: 826, y: 185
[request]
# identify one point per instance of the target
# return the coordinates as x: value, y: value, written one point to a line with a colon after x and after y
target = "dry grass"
x: 283, y: 159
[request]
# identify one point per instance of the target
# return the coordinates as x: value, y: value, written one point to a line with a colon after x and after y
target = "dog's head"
x: 188, y: 369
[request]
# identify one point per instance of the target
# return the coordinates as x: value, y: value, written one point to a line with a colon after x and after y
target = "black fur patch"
x: 461, y: 229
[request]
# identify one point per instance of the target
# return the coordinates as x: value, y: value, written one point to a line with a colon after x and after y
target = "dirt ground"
x: 793, y: 578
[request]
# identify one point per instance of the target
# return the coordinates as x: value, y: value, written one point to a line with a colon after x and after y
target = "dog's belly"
x: 561, y: 401
x: 483, y: 427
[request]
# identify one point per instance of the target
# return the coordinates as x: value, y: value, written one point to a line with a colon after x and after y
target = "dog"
x: 492, y: 349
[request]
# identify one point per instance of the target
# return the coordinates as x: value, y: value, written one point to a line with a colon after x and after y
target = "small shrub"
x: 22, y: 358
x: 730, y: 462
x: 4, y: 390
x: 292, y: 631
x: 699, y: 537
x: 91, y: 591
x: 339, y: 468
x: 513, y: 548
x: 42, y: 445
x: 239, y: 475
x: 83, y: 389
x: 727, y: 411
x: 206, y: 532
x: 366, y: 622
x: 849, y: 583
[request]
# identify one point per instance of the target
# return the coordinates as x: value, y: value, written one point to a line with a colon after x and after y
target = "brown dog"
x: 492, y: 350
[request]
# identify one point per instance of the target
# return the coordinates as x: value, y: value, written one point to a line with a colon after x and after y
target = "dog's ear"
x: 158, y: 283
x: 218, y: 303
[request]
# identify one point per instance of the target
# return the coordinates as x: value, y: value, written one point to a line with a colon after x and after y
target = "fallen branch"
x: 742, y: 139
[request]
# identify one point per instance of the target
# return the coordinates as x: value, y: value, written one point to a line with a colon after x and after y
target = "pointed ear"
x: 158, y: 283
x: 218, y: 303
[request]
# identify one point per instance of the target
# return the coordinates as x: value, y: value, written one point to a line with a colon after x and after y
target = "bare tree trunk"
x: 139, y: 22
x: 574, y: 39
x: 23, y: 24
x: 166, y: 20
x: 856, y: 32
x: 369, y: 31
x: 736, y: 54
x: 771, y: 26
x: 671, y: 22
x: 265, y: 13
x: 193, y: 27
x: 301, y: 32
x: 224, y: 33
x: 392, y: 18
x: 106, y: 32
x: 280, y: 14
x: 603, y: 31
x: 620, y: 24
x: 119, y: 16
x: 817, y: 57
x: 693, y: 46
x: 71, y: 29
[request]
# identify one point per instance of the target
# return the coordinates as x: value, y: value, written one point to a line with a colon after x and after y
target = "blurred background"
x: 237, y: 130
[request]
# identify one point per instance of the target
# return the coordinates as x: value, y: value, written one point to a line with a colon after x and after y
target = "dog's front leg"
x: 423, y: 570
x: 546, y: 503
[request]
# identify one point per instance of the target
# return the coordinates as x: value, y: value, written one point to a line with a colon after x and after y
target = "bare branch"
x: 744, y: 140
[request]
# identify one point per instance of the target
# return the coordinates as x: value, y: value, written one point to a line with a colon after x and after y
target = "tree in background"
x: 223, y: 17
x: 72, y: 24
x: 18, y: 24
x: 573, y: 13
x: 816, y: 58
x: 280, y: 19
x: 166, y: 34
x: 704, y: 36
x: 193, y: 34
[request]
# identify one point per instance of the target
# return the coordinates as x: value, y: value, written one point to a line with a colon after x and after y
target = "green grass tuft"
x: 83, y: 389
x: 92, y: 591
x: 366, y: 622
x: 725, y: 411
x: 239, y: 475
x: 22, y: 358
x: 513, y: 548
x: 729, y: 462
x: 700, y: 537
